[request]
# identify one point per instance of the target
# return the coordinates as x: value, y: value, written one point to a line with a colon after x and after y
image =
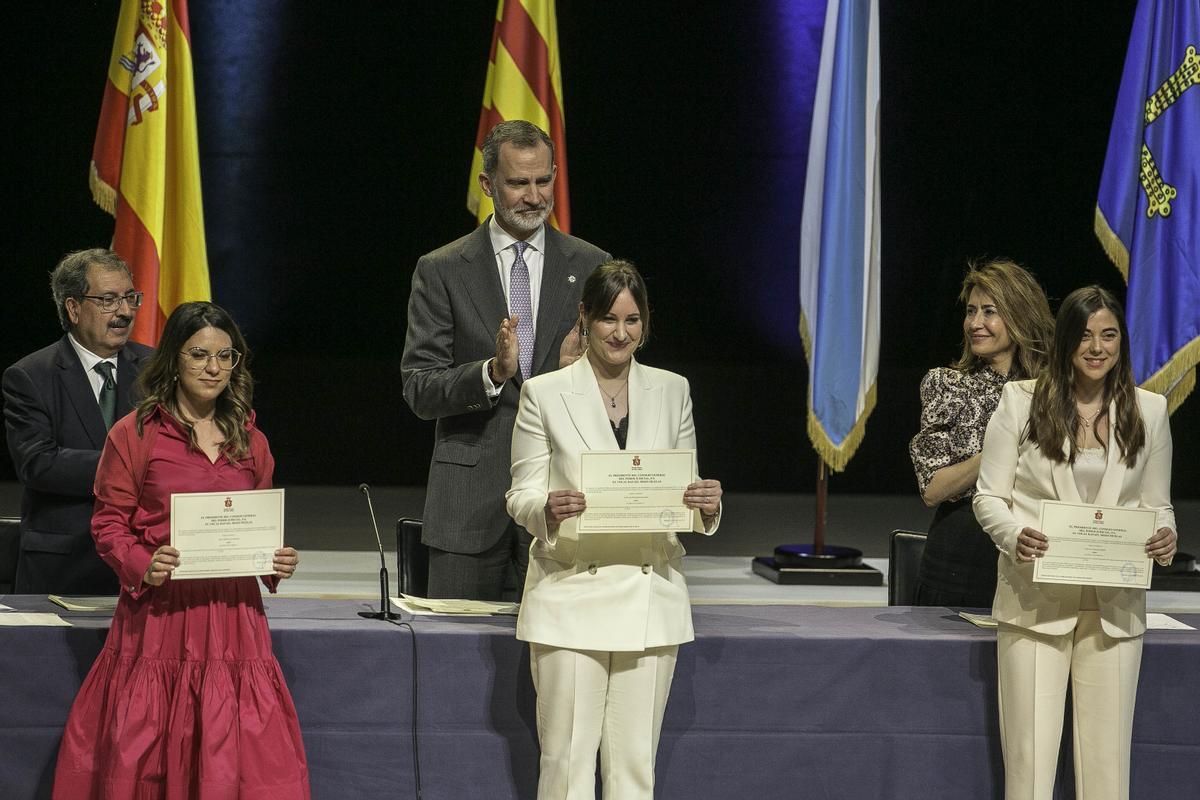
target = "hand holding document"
x: 226, y: 534
x: 1095, y: 546
x: 635, y: 492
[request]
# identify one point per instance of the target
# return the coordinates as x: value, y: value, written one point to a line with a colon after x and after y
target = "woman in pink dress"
x: 186, y: 700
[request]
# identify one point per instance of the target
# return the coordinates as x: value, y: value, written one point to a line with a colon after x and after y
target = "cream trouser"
x: 1034, y: 669
x: 589, y: 700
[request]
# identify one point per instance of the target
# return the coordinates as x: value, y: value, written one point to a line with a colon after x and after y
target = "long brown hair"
x: 1022, y: 305
x: 158, y: 380
x: 1053, y: 416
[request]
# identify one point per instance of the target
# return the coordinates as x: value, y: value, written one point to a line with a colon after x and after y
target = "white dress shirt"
x: 89, y: 361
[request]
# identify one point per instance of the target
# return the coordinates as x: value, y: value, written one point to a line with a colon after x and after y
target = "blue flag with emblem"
x: 839, y: 238
x: 1148, y: 209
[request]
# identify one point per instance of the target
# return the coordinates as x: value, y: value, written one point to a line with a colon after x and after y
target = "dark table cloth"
x: 768, y: 702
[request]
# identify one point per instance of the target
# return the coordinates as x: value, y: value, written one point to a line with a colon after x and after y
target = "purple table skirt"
x: 768, y: 702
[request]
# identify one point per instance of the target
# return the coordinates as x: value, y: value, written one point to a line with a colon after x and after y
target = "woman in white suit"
x: 1081, y: 433
x: 604, y: 613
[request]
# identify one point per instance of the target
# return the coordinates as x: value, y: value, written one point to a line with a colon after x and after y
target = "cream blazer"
x: 1014, y: 477
x: 597, y: 591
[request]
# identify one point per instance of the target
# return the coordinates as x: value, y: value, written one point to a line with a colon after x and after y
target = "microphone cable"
x: 416, y: 750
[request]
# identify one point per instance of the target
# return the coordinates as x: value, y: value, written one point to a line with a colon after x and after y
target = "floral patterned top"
x: 955, y: 409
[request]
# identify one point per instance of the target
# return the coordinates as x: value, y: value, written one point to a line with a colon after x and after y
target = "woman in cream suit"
x: 1081, y: 433
x: 604, y: 613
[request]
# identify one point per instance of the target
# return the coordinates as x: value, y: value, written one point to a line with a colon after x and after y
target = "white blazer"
x: 1014, y: 477
x: 597, y: 591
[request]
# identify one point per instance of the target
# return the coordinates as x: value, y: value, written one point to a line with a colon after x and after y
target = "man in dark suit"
x: 59, y: 403
x: 486, y: 312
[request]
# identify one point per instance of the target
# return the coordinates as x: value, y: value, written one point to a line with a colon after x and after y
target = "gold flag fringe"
x: 1177, y: 378
x: 1114, y: 248
x: 104, y: 195
x: 835, y: 456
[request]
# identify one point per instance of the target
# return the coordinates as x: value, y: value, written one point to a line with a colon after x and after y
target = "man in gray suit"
x: 59, y: 403
x: 486, y: 312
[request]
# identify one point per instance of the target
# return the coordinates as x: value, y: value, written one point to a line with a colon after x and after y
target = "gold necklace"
x: 1087, y: 421
x: 612, y: 398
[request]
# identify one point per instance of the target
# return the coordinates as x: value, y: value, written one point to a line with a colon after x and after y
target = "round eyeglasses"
x: 111, y: 302
x: 198, y: 358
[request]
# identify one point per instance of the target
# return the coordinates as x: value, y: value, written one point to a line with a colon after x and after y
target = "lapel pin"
x: 570, y: 279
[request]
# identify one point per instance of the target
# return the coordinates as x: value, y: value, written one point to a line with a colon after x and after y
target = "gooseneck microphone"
x: 385, y: 602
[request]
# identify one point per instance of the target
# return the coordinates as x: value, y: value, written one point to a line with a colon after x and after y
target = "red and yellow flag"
x: 145, y: 163
x: 524, y: 81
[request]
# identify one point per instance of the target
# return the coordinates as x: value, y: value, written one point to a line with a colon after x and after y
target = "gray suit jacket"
x: 55, y: 435
x: 454, y: 311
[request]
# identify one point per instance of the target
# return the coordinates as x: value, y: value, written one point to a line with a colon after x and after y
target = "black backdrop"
x: 335, y: 147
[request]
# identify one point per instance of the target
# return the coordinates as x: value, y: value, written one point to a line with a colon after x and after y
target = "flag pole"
x: 822, y: 491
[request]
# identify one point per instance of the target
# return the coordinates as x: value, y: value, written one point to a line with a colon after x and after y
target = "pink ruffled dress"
x: 186, y: 700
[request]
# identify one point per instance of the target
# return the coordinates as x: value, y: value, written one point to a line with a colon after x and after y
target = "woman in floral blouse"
x: 1007, y: 329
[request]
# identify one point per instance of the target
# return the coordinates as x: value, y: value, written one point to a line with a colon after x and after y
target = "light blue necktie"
x: 521, y: 303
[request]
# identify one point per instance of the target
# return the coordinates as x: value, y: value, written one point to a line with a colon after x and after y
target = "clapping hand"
x: 508, y: 350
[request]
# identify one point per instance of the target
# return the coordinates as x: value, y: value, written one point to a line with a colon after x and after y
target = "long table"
x: 768, y: 702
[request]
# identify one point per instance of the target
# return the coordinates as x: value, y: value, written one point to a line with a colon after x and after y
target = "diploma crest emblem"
x: 1099, y: 515
x: 637, y: 461
x: 229, y: 502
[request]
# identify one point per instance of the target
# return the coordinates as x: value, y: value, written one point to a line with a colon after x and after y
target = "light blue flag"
x: 1148, y: 209
x: 839, y: 241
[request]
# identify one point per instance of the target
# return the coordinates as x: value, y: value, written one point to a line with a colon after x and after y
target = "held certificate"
x: 226, y: 534
x: 632, y: 491
x: 1095, y: 545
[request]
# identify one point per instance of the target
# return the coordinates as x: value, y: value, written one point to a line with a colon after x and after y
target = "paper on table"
x: 979, y: 620
x: 454, y: 608
x: 1161, y: 622
x: 26, y: 619
x: 84, y: 603
x: 5, y: 608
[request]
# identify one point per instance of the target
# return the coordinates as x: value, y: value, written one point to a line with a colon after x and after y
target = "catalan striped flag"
x: 1148, y: 207
x: 839, y: 239
x: 145, y: 163
x: 524, y: 81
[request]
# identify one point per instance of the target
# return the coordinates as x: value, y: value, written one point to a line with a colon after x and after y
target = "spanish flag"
x: 146, y: 165
x: 524, y: 81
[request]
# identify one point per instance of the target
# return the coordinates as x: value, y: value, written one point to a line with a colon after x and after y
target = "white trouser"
x: 589, y: 700
x: 1033, y: 671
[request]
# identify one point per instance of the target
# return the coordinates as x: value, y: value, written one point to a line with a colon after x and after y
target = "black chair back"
x: 10, y: 550
x: 904, y: 562
x: 412, y: 558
